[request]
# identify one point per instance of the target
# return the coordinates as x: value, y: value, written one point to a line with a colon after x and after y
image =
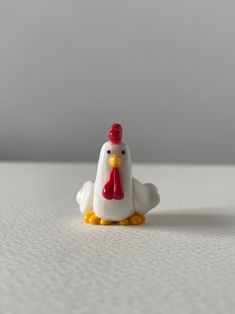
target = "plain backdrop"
x: 165, y: 69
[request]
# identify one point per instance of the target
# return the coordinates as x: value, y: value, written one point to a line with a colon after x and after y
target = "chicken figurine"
x: 116, y: 197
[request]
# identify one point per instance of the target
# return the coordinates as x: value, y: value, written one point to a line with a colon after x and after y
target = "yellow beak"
x: 115, y: 160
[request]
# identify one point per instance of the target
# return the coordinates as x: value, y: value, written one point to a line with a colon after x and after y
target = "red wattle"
x: 108, y: 188
x: 117, y: 192
x: 113, y: 188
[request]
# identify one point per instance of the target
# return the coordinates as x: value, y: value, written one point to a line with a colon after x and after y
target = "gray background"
x: 164, y: 69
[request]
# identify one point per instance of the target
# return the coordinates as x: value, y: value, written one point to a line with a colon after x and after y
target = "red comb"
x: 115, y: 133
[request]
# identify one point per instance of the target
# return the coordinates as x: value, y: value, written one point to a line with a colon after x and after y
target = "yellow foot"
x: 105, y: 222
x: 87, y: 216
x: 91, y: 218
x: 124, y: 222
x: 137, y: 219
x: 94, y: 220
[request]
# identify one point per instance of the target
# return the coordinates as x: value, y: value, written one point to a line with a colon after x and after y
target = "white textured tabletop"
x: 181, y: 261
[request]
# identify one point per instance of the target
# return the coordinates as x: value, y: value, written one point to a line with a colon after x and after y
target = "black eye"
x: 123, y: 152
x: 108, y: 151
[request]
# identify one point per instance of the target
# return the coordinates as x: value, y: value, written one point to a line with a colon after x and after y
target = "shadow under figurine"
x: 116, y: 197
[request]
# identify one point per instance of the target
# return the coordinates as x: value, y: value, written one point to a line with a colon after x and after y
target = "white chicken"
x: 116, y: 197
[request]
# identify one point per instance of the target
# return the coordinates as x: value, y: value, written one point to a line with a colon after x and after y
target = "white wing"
x: 145, y: 196
x: 85, y: 197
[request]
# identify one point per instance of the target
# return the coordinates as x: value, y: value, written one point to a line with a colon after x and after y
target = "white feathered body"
x: 138, y: 197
